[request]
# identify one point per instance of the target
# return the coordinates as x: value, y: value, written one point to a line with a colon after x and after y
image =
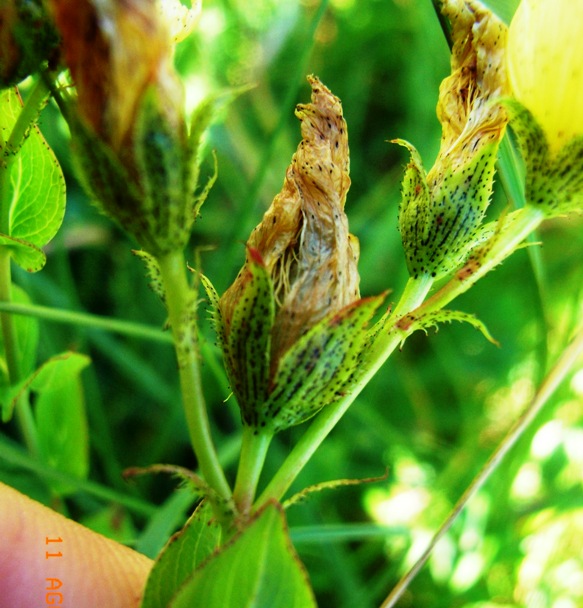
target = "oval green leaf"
x: 32, y: 196
x: 258, y: 568
x: 197, y: 540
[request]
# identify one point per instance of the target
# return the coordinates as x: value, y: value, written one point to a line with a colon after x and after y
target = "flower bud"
x: 127, y: 121
x: 441, y: 212
x: 292, y: 324
x: 27, y: 39
x: 545, y: 46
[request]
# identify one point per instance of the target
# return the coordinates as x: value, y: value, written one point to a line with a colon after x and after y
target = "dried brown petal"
x: 303, y: 238
x: 116, y: 50
x: 441, y: 212
x: 470, y: 118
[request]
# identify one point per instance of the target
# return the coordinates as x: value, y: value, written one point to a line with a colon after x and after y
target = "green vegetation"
x: 431, y: 417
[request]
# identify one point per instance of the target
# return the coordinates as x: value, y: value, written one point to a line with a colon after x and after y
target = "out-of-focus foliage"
x: 432, y: 415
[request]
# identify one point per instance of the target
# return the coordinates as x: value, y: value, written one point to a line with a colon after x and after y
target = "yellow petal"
x: 181, y: 19
x: 545, y: 65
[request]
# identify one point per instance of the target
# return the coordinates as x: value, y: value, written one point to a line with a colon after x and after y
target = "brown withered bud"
x: 469, y: 118
x: 441, y: 212
x: 293, y: 327
x: 27, y: 39
x: 115, y: 51
x: 303, y: 239
x: 130, y: 137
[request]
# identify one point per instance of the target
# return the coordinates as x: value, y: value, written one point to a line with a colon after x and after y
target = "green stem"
x: 83, y: 319
x: 551, y: 383
x: 413, y: 295
x: 180, y: 301
x: 23, y: 412
x: 253, y: 452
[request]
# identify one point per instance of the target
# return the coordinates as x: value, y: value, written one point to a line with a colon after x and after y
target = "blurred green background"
x: 432, y: 415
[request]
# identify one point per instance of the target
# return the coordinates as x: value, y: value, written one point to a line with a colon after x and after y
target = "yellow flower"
x: 545, y: 65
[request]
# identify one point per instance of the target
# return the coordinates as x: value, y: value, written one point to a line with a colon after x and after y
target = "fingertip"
x: 47, y: 559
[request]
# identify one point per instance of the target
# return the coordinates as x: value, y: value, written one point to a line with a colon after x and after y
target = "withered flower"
x: 303, y: 238
x: 27, y: 39
x: 442, y: 210
x: 116, y: 51
x: 129, y: 130
x: 292, y: 321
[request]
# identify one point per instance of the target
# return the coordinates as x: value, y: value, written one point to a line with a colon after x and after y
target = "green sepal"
x: 247, y: 346
x: 215, y: 312
x: 554, y: 184
x: 440, y: 222
x: 201, y: 198
x: 184, y: 552
x: 424, y: 320
x: 304, y: 494
x: 258, y: 567
x: 318, y: 369
x: 203, y: 117
x: 109, y: 184
x: 153, y: 273
x: 162, y: 161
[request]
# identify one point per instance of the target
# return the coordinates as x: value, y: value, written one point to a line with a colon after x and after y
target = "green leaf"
x: 56, y: 372
x: 61, y: 419
x: 25, y: 254
x: 186, y: 550
x: 258, y: 569
x: 167, y: 518
x: 32, y: 198
x: 53, y: 374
